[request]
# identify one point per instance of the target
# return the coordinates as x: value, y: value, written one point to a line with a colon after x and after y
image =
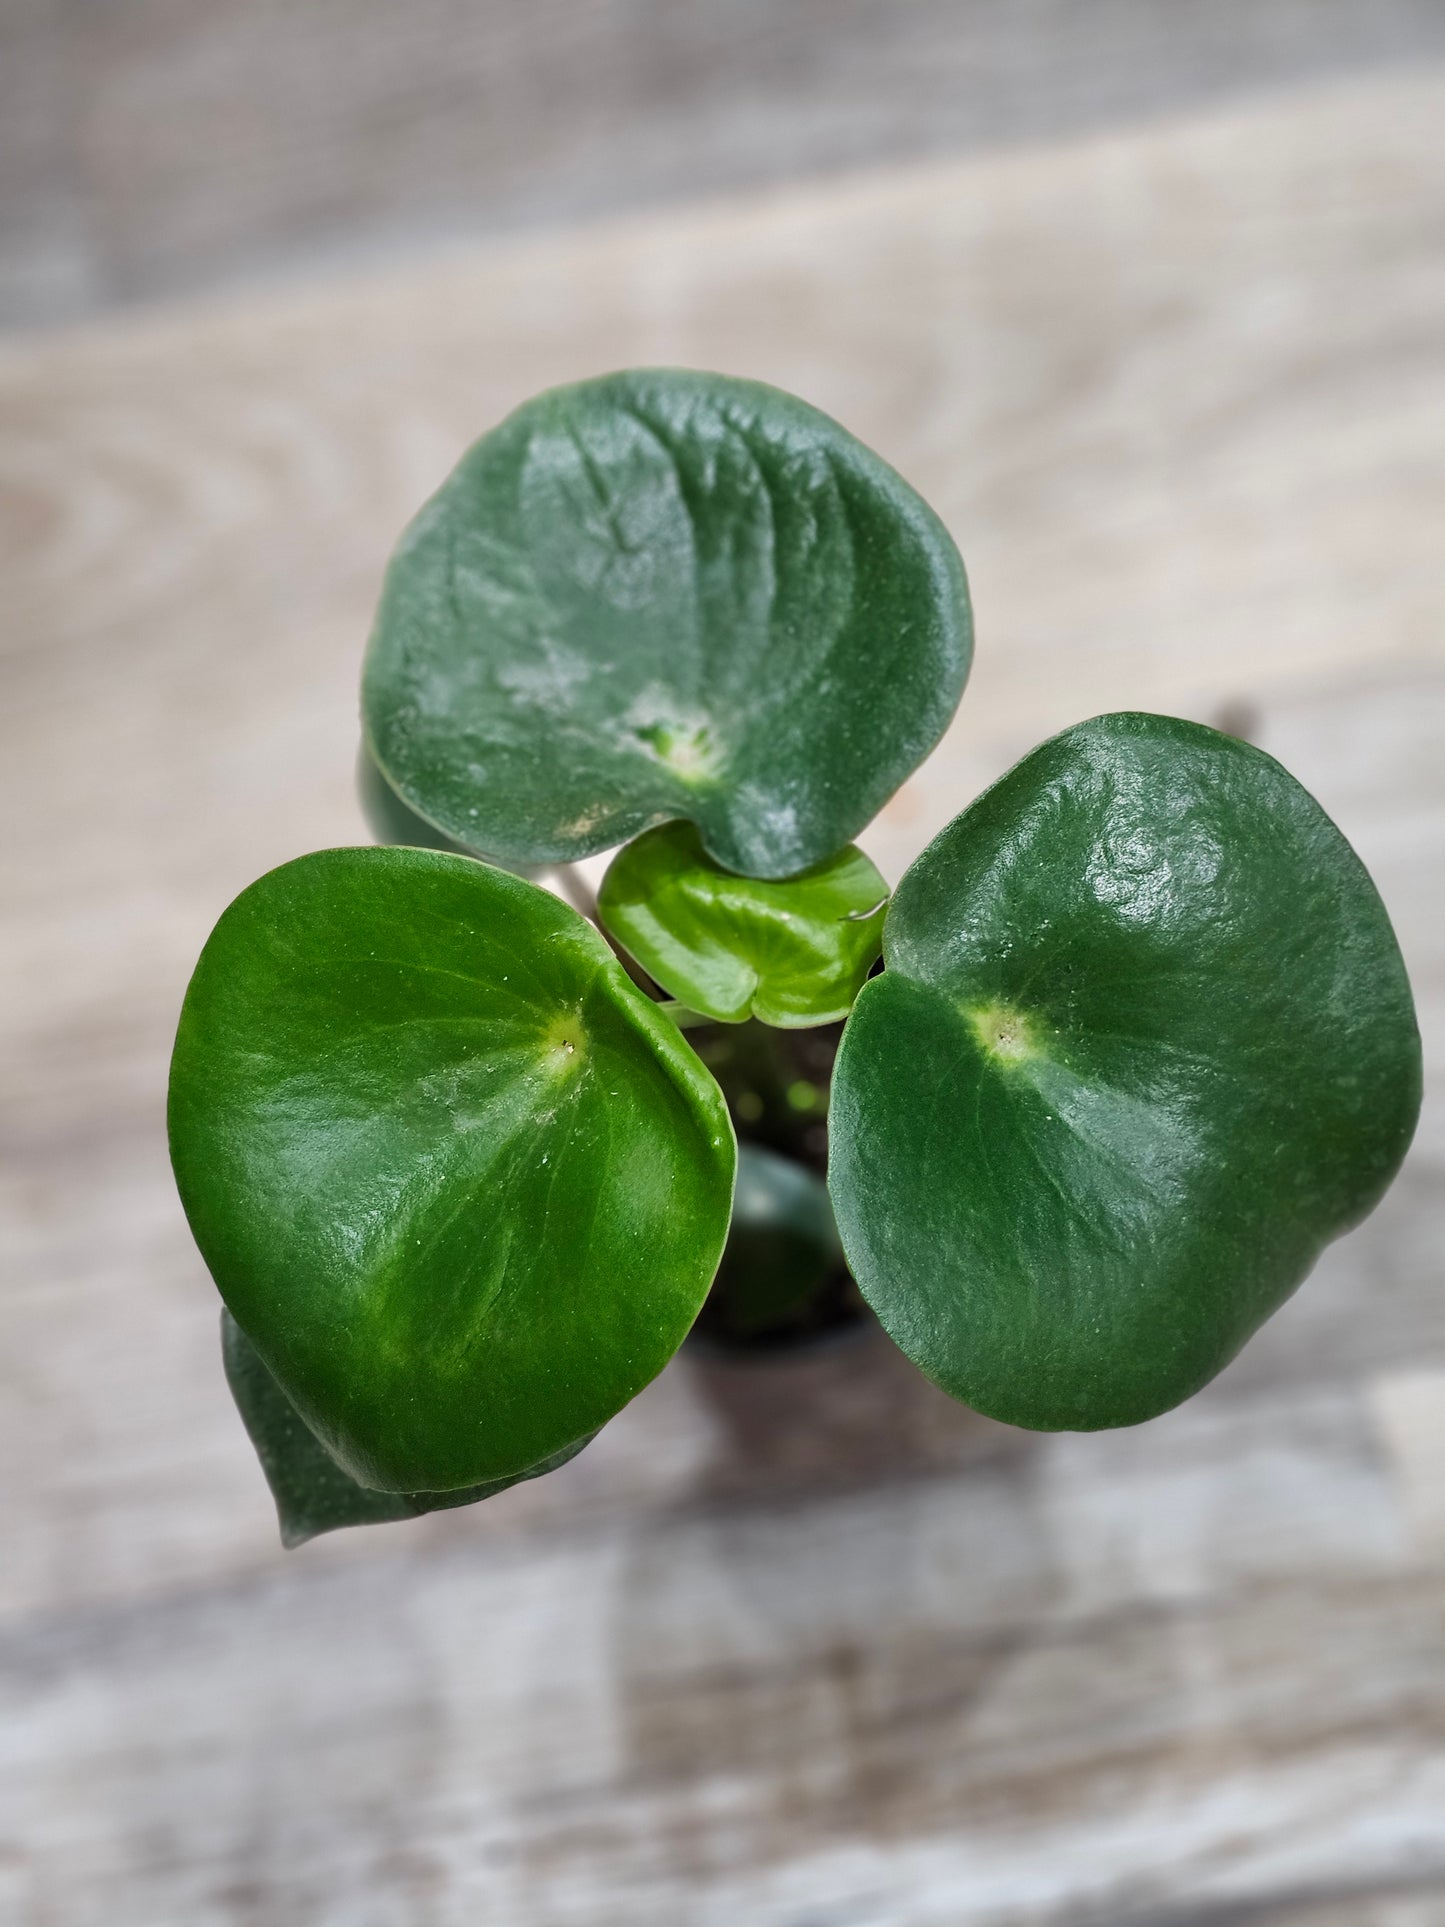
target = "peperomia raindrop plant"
x: 1130, y: 1044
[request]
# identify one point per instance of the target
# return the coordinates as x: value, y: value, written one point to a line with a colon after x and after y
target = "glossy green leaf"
x: 665, y: 594
x: 792, y: 954
x: 314, y: 1494
x: 1144, y: 1045
x: 460, y: 1183
x: 782, y: 1246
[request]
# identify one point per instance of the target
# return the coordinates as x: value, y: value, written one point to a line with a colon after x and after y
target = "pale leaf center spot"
x: 1005, y: 1033
x: 564, y: 1044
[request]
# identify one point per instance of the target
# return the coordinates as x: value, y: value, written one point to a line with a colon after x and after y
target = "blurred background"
x: 1148, y: 298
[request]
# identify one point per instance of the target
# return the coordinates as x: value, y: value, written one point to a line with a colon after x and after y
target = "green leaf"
x: 313, y: 1493
x: 1144, y: 1045
x: 782, y: 1246
x: 392, y: 821
x: 792, y: 954
x: 460, y: 1183
x: 665, y: 594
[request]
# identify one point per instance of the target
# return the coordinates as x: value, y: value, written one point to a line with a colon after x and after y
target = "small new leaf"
x: 792, y: 954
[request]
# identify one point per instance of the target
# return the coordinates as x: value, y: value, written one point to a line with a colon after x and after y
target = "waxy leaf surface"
x: 792, y: 954
x: 460, y: 1183
x: 665, y: 594
x: 1143, y: 1046
x: 314, y: 1494
x: 392, y: 821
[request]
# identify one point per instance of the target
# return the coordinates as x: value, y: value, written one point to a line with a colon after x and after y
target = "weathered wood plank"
x: 880, y: 1710
x: 153, y: 144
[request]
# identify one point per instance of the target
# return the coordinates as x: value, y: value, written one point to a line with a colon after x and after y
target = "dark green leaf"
x: 665, y: 594
x: 461, y: 1184
x: 1144, y: 1045
x: 313, y: 1493
x: 392, y: 821
x: 792, y: 954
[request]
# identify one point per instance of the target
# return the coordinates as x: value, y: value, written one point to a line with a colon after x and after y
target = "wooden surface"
x: 806, y: 1647
x: 169, y: 144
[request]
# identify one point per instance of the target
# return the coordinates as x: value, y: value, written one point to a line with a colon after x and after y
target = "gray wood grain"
x: 806, y: 1647
x: 160, y: 144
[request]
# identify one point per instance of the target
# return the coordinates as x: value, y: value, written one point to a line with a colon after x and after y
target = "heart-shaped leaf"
x: 314, y: 1494
x: 459, y: 1181
x: 792, y: 954
x: 665, y: 594
x: 1144, y: 1045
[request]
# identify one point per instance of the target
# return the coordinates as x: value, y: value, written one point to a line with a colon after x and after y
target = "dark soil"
x: 776, y: 1083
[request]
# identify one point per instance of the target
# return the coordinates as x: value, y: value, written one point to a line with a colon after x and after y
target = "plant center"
x: 689, y: 752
